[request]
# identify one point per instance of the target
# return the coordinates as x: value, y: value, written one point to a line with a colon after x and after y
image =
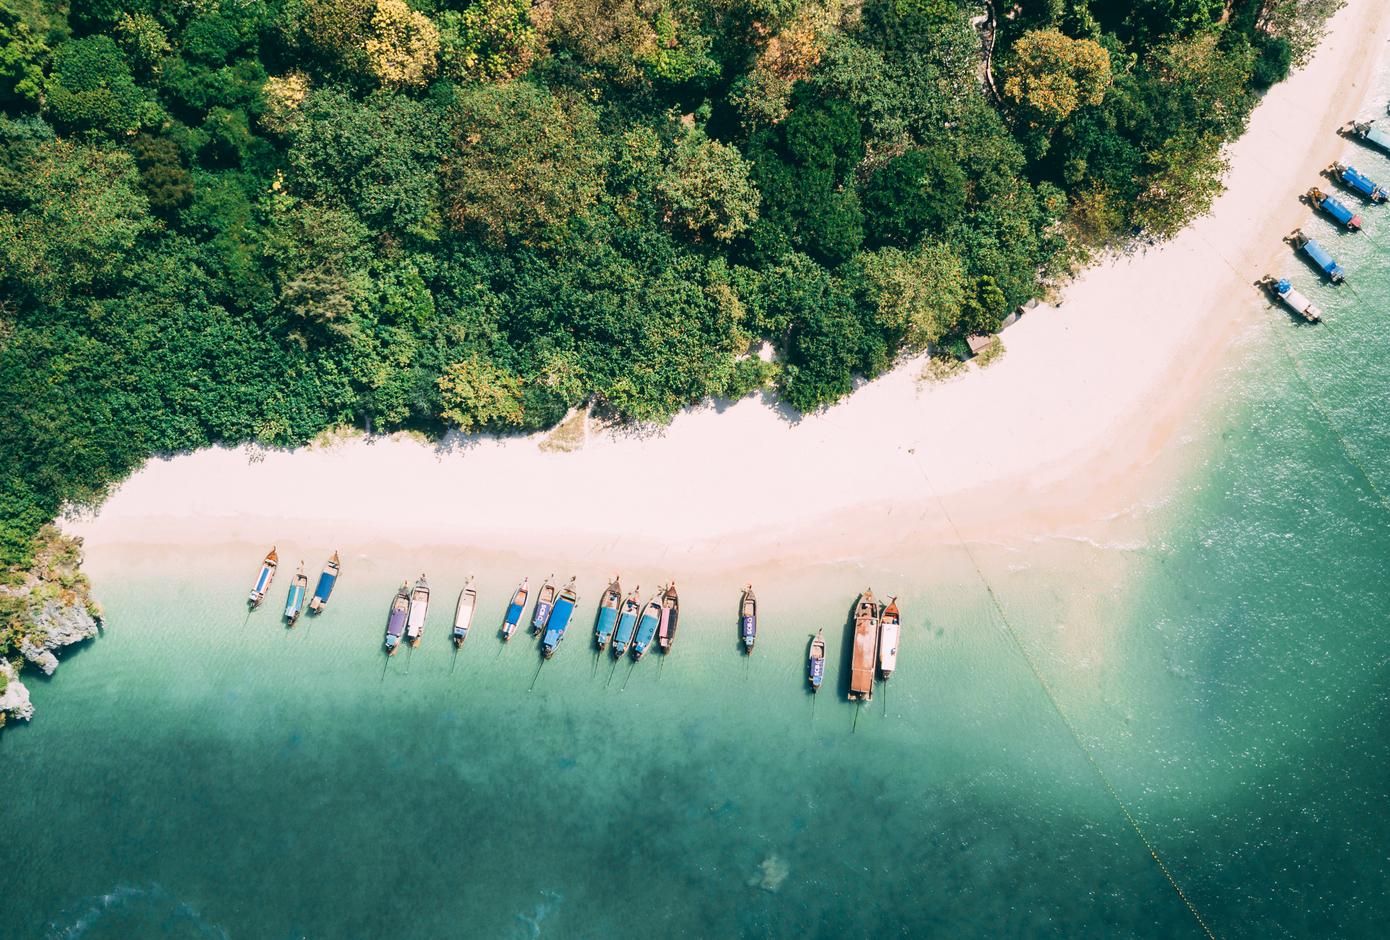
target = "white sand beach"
x: 1059, y: 437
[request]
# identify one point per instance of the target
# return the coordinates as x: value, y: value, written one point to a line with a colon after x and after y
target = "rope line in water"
x: 1062, y: 715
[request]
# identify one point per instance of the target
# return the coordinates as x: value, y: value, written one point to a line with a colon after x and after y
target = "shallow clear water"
x: 196, y: 773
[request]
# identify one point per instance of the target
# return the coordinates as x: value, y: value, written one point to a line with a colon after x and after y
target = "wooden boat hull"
x: 670, y: 616
x: 865, y: 653
x: 815, y: 669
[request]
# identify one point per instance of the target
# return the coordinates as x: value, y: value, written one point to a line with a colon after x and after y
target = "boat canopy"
x: 1335, y: 208
x: 325, y: 585
x: 262, y: 579
x: 1322, y: 259
x: 1359, y: 182
x: 1378, y: 137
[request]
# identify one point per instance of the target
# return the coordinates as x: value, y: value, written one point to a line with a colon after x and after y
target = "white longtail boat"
x: 889, y: 629
x: 463, y: 612
x: 419, y: 606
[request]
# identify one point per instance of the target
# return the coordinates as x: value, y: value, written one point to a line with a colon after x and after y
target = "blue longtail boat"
x: 327, y: 579
x: 646, y: 627
x: 294, y: 603
x: 1318, y: 255
x: 1357, y: 181
x: 1335, y: 208
x: 263, y: 579
x: 608, y: 613
x: 545, y: 602
x: 396, y: 617
x: 1371, y: 134
x: 559, y: 620
x: 748, y: 619
x: 627, y: 622
x: 816, y: 664
x: 515, y: 608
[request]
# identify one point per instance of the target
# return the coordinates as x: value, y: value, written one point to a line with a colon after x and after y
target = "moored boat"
x: 889, y: 631
x: 515, y: 608
x: 816, y: 663
x: 1335, y: 208
x: 1373, y: 135
x: 861, y: 674
x: 263, y: 579
x: 1284, y: 292
x: 1357, y: 181
x: 1318, y: 255
x: 294, y: 603
x: 419, y: 605
x: 608, y: 613
x: 545, y: 601
x: 463, y: 612
x: 627, y: 623
x: 670, y: 614
x: 327, y: 579
x: 559, y: 619
x: 646, y: 627
x: 396, y: 617
x: 748, y: 618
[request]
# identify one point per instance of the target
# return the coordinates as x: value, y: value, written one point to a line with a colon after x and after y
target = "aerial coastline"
x: 1062, y: 437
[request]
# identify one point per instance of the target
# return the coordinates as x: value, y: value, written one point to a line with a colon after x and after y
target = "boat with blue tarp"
x: 396, y: 617
x: 1357, y: 181
x: 327, y: 579
x: 515, y: 608
x: 560, y: 618
x: 646, y: 627
x: 545, y: 601
x: 627, y: 623
x: 1335, y: 208
x: 1284, y: 292
x: 816, y: 664
x: 1371, y: 134
x: 608, y: 613
x: 294, y: 602
x: 1318, y: 255
x: 263, y: 579
x: 748, y: 618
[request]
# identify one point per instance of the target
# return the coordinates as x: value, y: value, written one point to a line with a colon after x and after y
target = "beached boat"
x: 515, y: 608
x: 1318, y: 255
x: 419, y: 605
x: 294, y: 603
x: 670, y: 614
x: 861, y: 674
x: 816, y: 665
x: 748, y: 618
x: 1372, y: 135
x: 1335, y: 209
x: 608, y: 613
x: 327, y: 579
x: 545, y: 601
x: 1284, y: 292
x: 263, y: 579
x: 1357, y: 181
x: 559, y: 620
x: 889, y: 630
x: 627, y: 623
x: 463, y: 612
x: 646, y: 627
x: 396, y: 617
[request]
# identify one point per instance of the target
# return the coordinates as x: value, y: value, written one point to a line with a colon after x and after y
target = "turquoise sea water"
x: 195, y: 773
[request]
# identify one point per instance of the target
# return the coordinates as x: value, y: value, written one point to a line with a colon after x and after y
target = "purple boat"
x: 395, y: 620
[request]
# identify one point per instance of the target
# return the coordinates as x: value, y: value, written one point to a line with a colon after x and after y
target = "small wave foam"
x: 151, y: 906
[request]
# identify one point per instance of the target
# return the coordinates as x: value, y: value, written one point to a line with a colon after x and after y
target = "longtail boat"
x: 395, y: 618
x: 861, y: 675
x: 1318, y: 255
x: 1357, y: 182
x: 1335, y: 208
x: 1295, y: 301
x: 627, y: 622
x: 816, y: 665
x: 463, y: 612
x: 608, y: 613
x: 419, y: 605
x: 559, y: 620
x: 294, y: 603
x: 263, y: 579
x: 545, y: 601
x: 515, y: 609
x: 670, y: 614
x: 889, y: 630
x: 646, y: 627
x: 327, y: 578
x: 748, y: 618
x: 1373, y: 135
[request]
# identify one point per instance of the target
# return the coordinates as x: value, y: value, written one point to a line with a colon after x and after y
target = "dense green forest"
x: 252, y: 220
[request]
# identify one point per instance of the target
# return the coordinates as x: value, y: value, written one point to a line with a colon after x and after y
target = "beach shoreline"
x: 1065, y: 437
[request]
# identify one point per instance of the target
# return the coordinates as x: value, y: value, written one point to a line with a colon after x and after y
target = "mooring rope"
x: 1061, y: 713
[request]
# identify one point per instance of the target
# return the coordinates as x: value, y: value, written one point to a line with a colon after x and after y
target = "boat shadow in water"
x: 842, y: 678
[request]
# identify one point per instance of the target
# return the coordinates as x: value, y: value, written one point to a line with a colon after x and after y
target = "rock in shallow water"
x: 14, y: 699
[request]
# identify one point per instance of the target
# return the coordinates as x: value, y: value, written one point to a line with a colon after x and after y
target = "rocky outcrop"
x: 58, y: 625
x: 14, y: 697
